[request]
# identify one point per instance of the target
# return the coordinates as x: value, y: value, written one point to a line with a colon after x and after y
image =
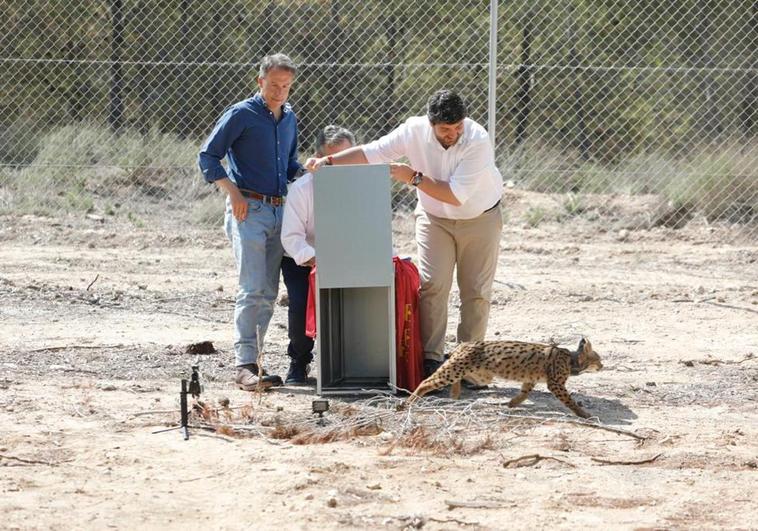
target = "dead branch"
x: 259, y: 359
x: 533, y: 459
x: 640, y: 462
x: 28, y: 461
x: 581, y: 423
x: 452, y: 504
x: 91, y: 283
x: 716, y: 362
x: 65, y: 347
x: 452, y: 520
x: 157, y: 412
x: 731, y: 307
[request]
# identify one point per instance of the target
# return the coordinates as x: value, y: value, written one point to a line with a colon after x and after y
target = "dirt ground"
x: 96, y: 318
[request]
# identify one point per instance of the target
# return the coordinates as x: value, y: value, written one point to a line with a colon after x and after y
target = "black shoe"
x: 247, y: 378
x: 430, y: 367
x: 297, y: 373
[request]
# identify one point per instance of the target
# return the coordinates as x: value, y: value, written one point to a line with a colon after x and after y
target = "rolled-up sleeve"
x: 294, y: 169
x: 228, y: 128
x: 294, y: 226
x: 467, y: 175
x: 388, y: 148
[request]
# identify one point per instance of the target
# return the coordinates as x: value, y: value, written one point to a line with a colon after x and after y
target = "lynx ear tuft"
x: 582, y: 342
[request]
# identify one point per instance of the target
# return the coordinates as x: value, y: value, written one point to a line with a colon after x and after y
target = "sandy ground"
x: 95, y: 321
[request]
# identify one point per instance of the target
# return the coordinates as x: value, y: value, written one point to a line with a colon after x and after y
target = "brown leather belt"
x: 270, y: 199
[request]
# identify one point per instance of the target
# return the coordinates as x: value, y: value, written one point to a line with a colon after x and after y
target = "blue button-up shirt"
x: 261, y: 152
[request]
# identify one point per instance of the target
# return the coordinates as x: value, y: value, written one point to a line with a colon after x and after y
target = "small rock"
x: 309, y: 496
x: 106, y: 387
x: 331, y: 502
x: 374, y: 486
x: 623, y: 234
x: 223, y: 401
x: 650, y: 384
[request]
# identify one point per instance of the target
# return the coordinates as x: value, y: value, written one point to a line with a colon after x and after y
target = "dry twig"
x: 28, y: 461
x: 453, y: 504
x: 640, y: 462
x: 582, y: 423
x: 533, y: 459
x: 91, y: 283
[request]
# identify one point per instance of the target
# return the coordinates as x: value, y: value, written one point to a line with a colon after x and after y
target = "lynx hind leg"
x: 455, y: 390
x: 526, y: 388
x: 559, y: 390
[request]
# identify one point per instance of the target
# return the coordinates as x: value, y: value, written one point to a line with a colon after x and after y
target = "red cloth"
x: 310, y: 306
x: 408, y: 348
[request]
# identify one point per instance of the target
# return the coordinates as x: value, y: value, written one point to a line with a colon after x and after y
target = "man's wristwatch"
x: 416, y: 179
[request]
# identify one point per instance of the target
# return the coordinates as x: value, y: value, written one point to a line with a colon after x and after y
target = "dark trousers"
x: 296, y: 280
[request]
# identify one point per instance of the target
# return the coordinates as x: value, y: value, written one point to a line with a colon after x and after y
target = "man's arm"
x: 228, y: 128
x: 353, y: 155
x: 439, y: 190
x: 295, y: 226
x: 294, y: 169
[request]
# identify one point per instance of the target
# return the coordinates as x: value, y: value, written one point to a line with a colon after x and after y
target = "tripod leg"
x: 183, y: 406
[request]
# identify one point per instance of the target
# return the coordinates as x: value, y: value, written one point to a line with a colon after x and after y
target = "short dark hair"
x: 277, y: 61
x: 446, y: 107
x: 331, y: 135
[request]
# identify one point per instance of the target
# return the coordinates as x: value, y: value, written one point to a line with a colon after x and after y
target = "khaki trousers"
x: 471, y: 247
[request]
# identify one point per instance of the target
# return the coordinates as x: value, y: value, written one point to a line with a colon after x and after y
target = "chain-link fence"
x: 104, y: 103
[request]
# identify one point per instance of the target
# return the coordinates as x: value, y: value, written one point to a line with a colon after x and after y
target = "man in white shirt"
x: 298, y: 239
x: 458, y: 218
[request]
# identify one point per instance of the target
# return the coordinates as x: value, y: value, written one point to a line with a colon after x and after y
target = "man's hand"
x: 314, y: 163
x: 238, y: 201
x: 401, y: 173
x: 310, y: 263
x: 239, y: 205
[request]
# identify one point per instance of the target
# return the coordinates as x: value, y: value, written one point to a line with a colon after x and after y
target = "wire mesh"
x: 104, y: 104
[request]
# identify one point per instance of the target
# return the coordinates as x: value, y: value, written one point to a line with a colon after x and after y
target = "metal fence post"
x: 492, y: 72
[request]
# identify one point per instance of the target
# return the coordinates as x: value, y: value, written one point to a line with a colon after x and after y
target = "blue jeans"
x: 258, y: 252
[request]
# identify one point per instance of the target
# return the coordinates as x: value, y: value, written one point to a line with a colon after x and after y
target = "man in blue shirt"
x: 258, y: 137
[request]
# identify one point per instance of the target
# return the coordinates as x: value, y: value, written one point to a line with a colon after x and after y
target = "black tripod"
x: 194, y: 389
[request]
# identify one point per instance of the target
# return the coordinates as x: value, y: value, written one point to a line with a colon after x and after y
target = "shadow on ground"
x: 544, y: 403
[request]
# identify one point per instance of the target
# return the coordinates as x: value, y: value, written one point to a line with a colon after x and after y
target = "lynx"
x: 528, y: 363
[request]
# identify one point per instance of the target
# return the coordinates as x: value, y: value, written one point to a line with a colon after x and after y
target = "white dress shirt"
x: 298, y: 228
x: 469, y: 165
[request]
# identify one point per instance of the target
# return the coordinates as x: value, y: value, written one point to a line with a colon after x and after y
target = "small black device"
x: 320, y: 406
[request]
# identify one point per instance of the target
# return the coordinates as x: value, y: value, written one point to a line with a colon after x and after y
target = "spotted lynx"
x: 528, y: 363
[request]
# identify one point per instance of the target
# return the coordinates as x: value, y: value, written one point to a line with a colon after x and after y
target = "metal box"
x: 355, y: 296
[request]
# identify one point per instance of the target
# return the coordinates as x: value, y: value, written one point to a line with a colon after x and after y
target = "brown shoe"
x: 247, y: 378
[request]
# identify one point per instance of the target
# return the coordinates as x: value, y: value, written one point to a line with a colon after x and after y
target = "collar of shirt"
x: 258, y: 100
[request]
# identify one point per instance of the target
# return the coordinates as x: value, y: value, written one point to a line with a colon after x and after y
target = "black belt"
x: 270, y: 199
x: 493, y: 207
